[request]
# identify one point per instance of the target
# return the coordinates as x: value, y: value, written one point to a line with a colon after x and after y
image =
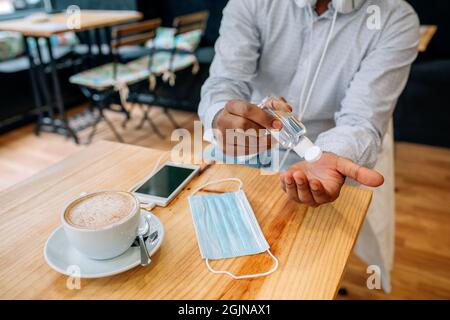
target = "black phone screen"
x: 165, y: 181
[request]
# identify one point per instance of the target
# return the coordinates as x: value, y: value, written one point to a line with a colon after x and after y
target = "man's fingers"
x: 239, y: 137
x: 303, y: 191
x: 232, y: 121
x: 238, y: 142
x: 291, y: 187
x: 282, y: 183
x: 365, y: 176
x: 253, y: 113
x: 234, y: 149
x: 280, y: 104
x: 318, y: 191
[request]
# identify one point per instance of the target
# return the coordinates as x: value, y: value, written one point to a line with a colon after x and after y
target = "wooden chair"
x: 184, y: 24
x: 187, y: 23
x: 190, y: 22
x: 103, y: 84
x: 175, y: 59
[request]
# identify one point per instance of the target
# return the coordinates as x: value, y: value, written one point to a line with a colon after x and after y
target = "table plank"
x: 312, y: 245
x: 90, y: 19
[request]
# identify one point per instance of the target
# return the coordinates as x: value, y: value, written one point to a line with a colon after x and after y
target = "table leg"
x: 88, y: 39
x: 43, y: 80
x: 98, y: 38
x: 108, y: 31
x: 58, y: 95
x: 34, y: 87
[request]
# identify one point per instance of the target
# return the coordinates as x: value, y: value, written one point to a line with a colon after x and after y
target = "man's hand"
x: 321, y: 181
x: 243, y: 123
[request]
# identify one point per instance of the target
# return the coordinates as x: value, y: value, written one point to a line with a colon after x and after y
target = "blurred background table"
x: 57, y: 23
x: 44, y: 98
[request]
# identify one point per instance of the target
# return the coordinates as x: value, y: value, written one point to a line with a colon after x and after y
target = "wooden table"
x: 312, y: 245
x: 89, y: 20
x: 427, y: 33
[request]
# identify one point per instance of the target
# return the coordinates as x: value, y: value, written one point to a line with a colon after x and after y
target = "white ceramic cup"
x: 105, y: 242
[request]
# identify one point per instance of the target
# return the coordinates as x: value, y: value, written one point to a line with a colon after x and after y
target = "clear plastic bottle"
x: 293, y: 134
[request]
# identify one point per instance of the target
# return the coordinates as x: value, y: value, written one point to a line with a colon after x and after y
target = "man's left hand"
x: 320, y: 182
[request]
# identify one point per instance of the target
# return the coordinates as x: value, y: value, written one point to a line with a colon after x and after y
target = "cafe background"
x: 421, y: 126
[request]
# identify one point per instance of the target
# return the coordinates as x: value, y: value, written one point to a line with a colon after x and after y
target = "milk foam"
x: 100, y: 210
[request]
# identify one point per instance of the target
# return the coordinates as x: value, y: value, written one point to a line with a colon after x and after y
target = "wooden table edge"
x: 354, y: 243
x: 46, y: 34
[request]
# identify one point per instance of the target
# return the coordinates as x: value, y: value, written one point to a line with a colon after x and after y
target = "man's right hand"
x: 241, y: 126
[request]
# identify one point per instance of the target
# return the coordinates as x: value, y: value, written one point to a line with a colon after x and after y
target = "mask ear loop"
x: 256, y: 275
x: 274, y: 268
x: 241, y: 185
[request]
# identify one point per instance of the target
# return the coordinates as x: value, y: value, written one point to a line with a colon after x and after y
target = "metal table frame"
x: 48, y: 121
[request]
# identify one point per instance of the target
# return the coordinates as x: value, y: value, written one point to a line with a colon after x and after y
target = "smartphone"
x: 162, y: 186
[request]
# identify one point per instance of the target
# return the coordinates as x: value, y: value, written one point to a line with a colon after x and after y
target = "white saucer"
x: 62, y: 257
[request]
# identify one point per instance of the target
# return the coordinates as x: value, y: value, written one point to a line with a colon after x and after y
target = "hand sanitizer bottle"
x: 293, y: 134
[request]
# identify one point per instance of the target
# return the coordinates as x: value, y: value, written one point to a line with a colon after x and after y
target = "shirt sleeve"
x: 235, y: 62
x: 373, y: 93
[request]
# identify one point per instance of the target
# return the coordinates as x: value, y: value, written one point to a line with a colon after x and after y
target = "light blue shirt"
x: 265, y: 47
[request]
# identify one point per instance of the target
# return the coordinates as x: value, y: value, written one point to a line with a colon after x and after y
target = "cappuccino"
x: 100, y: 210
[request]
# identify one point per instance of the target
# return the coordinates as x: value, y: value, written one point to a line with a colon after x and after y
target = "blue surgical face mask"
x: 226, y: 227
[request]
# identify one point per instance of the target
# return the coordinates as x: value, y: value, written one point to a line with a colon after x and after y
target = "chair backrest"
x: 135, y: 34
x: 190, y: 22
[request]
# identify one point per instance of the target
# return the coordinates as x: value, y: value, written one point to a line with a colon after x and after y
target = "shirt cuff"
x: 338, y: 147
x: 209, y: 118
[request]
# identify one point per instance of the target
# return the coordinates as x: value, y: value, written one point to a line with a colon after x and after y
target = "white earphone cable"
x: 308, y: 72
x: 322, y: 58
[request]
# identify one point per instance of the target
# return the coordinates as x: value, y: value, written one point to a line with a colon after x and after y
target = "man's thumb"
x: 365, y: 176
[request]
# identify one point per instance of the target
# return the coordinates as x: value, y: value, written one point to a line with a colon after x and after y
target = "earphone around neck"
x: 341, y: 6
